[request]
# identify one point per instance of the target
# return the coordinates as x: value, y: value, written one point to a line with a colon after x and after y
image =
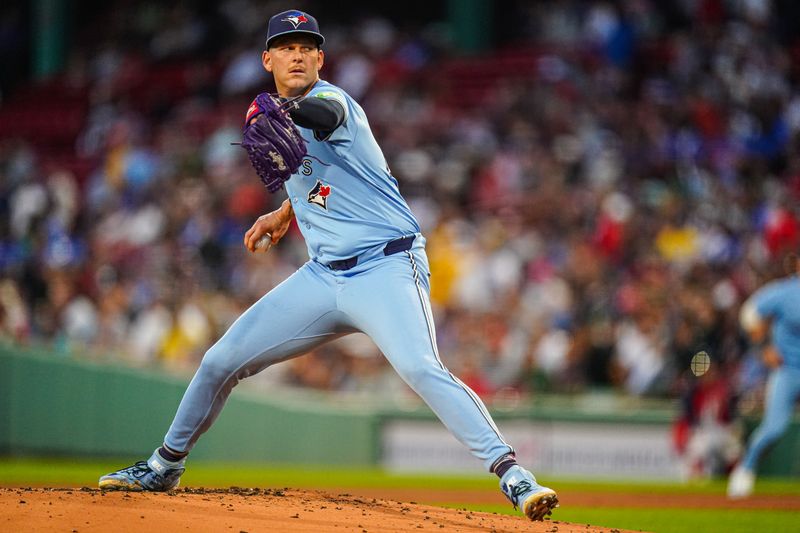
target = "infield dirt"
x: 244, y: 510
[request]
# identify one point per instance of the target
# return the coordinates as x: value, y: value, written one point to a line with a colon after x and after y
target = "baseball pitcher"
x: 367, y: 270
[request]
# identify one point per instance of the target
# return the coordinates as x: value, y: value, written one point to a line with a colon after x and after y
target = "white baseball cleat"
x: 521, y: 488
x: 155, y: 474
x: 741, y: 482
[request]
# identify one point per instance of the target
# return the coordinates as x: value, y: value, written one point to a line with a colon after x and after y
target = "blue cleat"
x: 156, y: 474
x: 532, y: 499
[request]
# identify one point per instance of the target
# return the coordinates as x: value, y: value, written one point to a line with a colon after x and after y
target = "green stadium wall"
x: 53, y: 405
x: 58, y: 406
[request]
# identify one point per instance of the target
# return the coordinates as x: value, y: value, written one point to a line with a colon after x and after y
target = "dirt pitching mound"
x: 243, y: 510
x: 608, y: 499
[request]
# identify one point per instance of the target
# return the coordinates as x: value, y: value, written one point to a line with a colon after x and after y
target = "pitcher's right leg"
x: 293, y: 318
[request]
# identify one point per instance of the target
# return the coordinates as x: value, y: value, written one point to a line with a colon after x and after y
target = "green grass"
x: 687, y: 520
x: 670, y: 520
x: 22, y: 472
x: 86, y: 472
x: 14, y: 471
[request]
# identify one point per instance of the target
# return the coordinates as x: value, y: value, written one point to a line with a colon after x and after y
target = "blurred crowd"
x: 599, y: 195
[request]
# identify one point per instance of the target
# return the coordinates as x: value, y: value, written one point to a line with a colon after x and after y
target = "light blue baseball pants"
x: 386, y: 297
x: 783, y: 389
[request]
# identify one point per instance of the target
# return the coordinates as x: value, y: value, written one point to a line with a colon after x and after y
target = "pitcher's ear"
x: 266, y: 60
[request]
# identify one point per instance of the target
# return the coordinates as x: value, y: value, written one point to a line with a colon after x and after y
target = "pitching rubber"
x: 540, y: 505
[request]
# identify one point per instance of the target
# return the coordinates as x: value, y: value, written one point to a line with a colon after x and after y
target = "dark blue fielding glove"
x: 273, y: 144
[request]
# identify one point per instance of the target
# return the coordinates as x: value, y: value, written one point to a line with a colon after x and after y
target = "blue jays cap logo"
x: 319, y: 195
x: 293, y: 21
x: 296, y: 19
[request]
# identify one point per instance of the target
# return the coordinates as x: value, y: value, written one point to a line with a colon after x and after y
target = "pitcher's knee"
x: 416, y: 375
x: 216, y: 365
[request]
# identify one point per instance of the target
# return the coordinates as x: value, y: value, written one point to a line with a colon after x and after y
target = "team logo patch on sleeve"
x: 319, y: 195
x: 331, y: 95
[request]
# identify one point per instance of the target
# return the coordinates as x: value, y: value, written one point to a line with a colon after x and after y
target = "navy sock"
x: 170, y: 455
x: 501, y: 466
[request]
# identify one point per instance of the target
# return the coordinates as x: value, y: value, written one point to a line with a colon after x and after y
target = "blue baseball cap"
x: 293, y: 21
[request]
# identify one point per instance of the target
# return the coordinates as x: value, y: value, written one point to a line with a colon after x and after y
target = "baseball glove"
x: 273, y: 144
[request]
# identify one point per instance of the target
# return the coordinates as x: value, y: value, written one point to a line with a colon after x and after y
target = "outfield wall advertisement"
x: 636, y: 451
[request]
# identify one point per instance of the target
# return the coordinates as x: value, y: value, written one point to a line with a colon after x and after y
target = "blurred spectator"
x: 13, y: 313
x: 597, y: 195
x: 706, y: 435
x: 244, y: 73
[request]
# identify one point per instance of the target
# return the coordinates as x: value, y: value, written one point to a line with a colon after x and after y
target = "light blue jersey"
x: 344, y: 198
x: 779, y: 301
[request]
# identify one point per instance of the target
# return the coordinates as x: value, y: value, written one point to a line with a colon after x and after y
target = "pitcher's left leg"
x: 389, y: 302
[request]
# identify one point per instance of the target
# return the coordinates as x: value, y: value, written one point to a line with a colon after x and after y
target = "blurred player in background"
x: 705, y: 435
x: 771, y: 319
x: 368, y: 272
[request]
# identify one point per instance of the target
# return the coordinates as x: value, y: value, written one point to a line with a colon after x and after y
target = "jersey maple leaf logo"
x: 319, y: 194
